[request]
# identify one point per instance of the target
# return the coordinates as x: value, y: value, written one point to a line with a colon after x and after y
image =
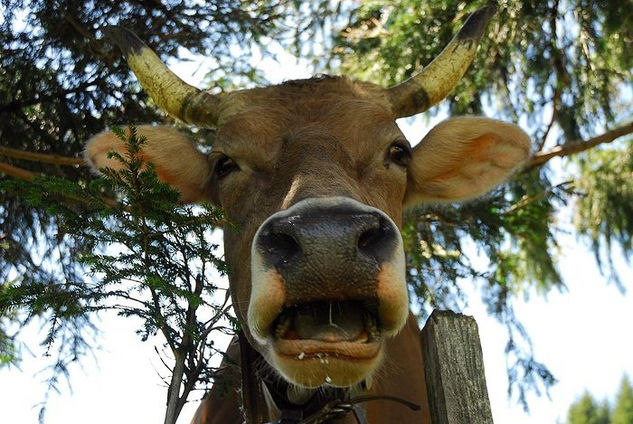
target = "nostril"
x: 377, y: 242
x: 369, y: 238
x: 279, y: 248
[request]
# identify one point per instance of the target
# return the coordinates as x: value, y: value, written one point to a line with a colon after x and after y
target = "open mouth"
x: 344, y: 329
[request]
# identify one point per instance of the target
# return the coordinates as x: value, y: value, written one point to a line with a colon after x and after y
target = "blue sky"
x: 582, y: 334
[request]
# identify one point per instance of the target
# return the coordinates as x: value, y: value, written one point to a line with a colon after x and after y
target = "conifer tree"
x: 148, y: 257
x: 623, y: 407
x: 587, y: 410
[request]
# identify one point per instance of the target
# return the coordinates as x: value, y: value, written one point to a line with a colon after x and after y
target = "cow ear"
x: 463, y: 158
x: 176, y: 159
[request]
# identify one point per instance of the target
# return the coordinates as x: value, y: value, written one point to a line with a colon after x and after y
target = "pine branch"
x: 561, y: 75
x: 19, y: 173
x: 553, y: 119
x: 41, y: 157
x: 24, y: 175
x: 527, y: 200
x: 542, y: 157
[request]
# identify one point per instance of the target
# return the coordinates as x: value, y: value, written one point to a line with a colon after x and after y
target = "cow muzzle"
x: 328, y: 287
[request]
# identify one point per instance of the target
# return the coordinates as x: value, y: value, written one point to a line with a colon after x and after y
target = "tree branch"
x: 578, y: 146
x: 554, y: 118
x: 560, y: 73
x: 527, y: 200
x: 16, y: 172
x: 41, y: 157
x: 23, y: 174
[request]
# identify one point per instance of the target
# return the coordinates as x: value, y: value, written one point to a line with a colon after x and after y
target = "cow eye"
x: 224, y: 166
x: 400, y: 153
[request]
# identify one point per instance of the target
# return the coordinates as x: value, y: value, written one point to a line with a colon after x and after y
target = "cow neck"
x: 323, y: 406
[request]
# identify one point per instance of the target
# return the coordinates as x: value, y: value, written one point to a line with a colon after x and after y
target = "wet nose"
x: 326, y: 234
x: 329, y: 250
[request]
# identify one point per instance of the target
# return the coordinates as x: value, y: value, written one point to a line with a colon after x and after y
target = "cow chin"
x: 314, y: 365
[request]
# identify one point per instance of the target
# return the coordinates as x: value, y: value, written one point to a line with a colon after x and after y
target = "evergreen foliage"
x: 623, y: 409
x: 604, y: 213
x: 149, y: 257
x: 587, y: 410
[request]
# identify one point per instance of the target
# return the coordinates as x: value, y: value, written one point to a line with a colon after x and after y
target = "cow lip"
x: 332, y: 327
x: 306, y: 350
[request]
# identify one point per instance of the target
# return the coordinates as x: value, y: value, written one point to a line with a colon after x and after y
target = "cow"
x: 316, y: 175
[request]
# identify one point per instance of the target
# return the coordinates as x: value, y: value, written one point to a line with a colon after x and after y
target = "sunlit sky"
x: 582, y: 334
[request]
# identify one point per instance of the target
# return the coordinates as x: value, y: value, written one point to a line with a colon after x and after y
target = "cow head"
x: 315, y: 174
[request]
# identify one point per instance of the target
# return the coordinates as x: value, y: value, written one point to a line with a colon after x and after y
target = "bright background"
x: 582, y: 334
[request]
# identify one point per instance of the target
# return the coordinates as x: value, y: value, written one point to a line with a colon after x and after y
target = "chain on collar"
x: 339, y: 408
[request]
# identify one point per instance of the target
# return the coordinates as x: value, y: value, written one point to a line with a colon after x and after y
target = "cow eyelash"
x: 224, y: 166
x: 399, y: 153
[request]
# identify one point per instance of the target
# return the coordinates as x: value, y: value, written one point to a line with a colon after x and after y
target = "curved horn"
x: 170, y: 93
x: 434, y: 82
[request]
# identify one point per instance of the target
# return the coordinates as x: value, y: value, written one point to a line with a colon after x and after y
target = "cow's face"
x: 315, y: 183
x: 315, y: 174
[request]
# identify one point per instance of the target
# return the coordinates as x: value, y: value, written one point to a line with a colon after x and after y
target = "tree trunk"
x: 173, y: 392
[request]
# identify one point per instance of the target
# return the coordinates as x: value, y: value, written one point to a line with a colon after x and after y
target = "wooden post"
x: 454, y: 369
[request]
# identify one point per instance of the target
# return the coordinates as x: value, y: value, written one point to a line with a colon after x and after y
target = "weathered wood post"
x: 454, y: 369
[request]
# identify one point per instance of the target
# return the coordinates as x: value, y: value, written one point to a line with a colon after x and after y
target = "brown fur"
x: 330, y: 137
